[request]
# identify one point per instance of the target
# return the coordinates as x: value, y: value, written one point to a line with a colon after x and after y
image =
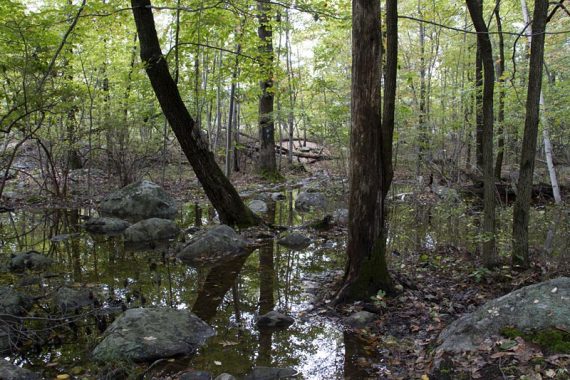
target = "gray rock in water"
x: 195, y: 375
x: 360, y: 319
x: 9, y: 371
x: 225, y: 376
x: 213, y: 245
x: 258, y: 206
x: 29, y: 260
x: 295, y: 241
x: 13, y: 303
x: 340, y: 216
x: 278, y: 196
x: 306, y: 201
x: 274, y: 319
x: 107, y: 226
x: 139, y: 200
x: 152, y: 229
x: 535, y: 307
x: 271, y: 373
x: 143, y: 335
x: 69, y: 300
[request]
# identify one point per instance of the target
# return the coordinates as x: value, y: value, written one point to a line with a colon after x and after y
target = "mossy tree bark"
x: 371, y: 151
x: 222, y: 194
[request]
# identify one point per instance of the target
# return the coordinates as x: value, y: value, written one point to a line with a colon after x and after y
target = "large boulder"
x: 213, y: 245
x: 9, y: 371
x: 152, y: 229
x: 139, y: 200
x: 106, y: 226
x: 535, y: 307
x: 310, y: 200
x: 143, y: 335
x: 69, y: 300
x: 13, y: 303
x: 29, y: 260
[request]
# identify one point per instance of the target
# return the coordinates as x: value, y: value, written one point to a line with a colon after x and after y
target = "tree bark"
x: 501, y: 80
x: 521, y: 210
x: 266, y: 164
x: 489, y: 253
x: 217, y: 187
x: 366, y: 270
x: 479, y: 99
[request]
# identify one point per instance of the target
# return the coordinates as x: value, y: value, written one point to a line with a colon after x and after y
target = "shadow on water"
x: 229, y: 295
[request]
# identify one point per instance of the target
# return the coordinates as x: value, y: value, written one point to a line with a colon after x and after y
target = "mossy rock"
x: 551, y: 340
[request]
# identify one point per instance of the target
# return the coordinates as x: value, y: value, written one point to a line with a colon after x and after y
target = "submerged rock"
x: 29, y: 260
x: 151, y: 230
x: 107, y: 226
x: 195, y: 375
x: 9, y: 371
x: 274, y: 319
x: 13, y: 303
x: 295, y: 241
x: 360, y: 319
x: 213, y: 245
x: 258, y: 206
x: 69, y: 300
x: 270, y: 373
x: 306, y: 201
x: 143, y: 335
x: 139, y: 200
x: 535, y: 307
x: 225, y: 376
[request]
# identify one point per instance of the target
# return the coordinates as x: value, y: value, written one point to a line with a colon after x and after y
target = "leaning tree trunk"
x: 489, y: 252
x: 217, y: 187
x: 266, y: 164
x: 366, y: 270
x: 521, y: 210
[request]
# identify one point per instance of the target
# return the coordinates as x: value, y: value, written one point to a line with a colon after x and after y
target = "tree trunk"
x: 366, y: 270
x: 266, y: 164
x: 479, y: 99
x: 501, y: 80
x: 486, y: 51
x: 217, y: 187
x: 522, y: 204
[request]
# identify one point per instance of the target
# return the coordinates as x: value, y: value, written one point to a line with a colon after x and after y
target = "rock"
x: 535, y: 307
x: 225, y: 376
x: 29, y: 260
x: 274, y: 319
x: 306, y: 201
x: 69, y: 300
x: 13, y: 303
x: 213, y: 245
x: 271, y: 373
x: 195, y: 375
x: 295, y: 241
x: 139, y: 200
x: 340, y: 216
x: 9, y: 371
x: 107, y: 226
x: 258, y: 206
x: 143, y: 335
x: 278, y: 196
x: 152, y: 229
x: 360, y: 319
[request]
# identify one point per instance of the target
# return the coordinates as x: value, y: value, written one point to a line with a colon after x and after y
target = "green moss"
x: 551, y: 340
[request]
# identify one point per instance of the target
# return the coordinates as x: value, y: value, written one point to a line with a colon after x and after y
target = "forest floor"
x: 435, y: 290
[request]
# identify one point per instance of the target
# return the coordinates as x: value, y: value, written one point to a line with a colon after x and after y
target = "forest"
x: 284, y: 189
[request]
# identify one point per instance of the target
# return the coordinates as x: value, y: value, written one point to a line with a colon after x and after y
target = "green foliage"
x: 551, y: 340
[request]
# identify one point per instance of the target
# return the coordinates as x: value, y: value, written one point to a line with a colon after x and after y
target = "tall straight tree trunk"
x: 479, y: 100
x: 366, y: 270
x: 490, y: 258
x: 524, y: 186
x: 501, y: 80
x: 217, y: 187
x: 424, y: 144
x: 266, y: 163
